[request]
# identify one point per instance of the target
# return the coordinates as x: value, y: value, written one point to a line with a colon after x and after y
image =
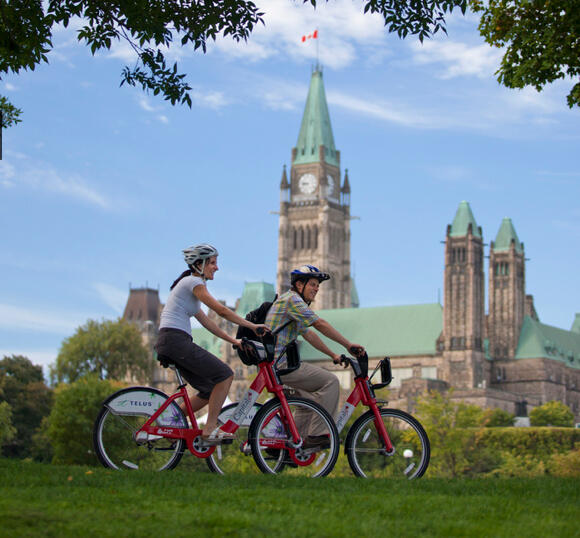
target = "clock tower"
x: 314, y: 207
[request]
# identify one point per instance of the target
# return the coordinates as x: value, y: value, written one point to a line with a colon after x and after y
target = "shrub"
x: 70, y: 424
x: 552, y: 413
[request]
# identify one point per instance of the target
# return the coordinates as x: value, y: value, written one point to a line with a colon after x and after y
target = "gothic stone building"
x: 506, y: 359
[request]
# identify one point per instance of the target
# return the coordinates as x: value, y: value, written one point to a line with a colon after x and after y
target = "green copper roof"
x: 506, y: 233
x: 383, y: 330
x: 208, y: 341
x: 538, y: 340
x: 315, y: 129
x: 254, y: 294
x: 463, y: 218
x: 576, y: 324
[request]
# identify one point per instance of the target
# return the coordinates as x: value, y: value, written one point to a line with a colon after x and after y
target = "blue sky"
x: 101, y: 187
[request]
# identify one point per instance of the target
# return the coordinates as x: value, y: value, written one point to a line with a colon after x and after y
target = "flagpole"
x: 317, y: 62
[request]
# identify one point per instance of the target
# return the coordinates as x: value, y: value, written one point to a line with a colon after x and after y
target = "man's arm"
x: 314, y: 340
x: 329, y: 331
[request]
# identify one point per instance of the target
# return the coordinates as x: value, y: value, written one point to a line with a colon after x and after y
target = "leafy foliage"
x: 542, y: 39
x: 445, y: 421
x: 29, y: 399
x: 498, y: 418
x: 109, y: 349
x: 69, y: 427
x: 552, y: 413
x: 7, y: 430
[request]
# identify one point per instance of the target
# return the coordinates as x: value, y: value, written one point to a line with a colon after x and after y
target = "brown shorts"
x: 199, y: 367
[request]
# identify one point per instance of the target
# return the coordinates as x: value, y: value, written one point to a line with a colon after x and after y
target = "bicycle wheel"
x: 122, y: 415
x: 367, y: 456
x: 234, y: 456
x: 270, y: 439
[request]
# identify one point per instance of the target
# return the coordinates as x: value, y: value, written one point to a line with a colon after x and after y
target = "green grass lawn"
x: 51, y: 500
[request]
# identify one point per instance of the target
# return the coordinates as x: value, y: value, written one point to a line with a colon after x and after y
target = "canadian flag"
x: 313, y: 35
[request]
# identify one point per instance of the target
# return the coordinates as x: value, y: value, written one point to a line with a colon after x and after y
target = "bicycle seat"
x: 165, y: 361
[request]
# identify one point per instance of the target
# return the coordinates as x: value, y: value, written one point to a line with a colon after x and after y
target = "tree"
x: 69, y: 427
x: 552, y: 413
x: 109, y: 349
x: 542, y: 39
x: 7, y: 430
x: 29, y: 399
x: 152, y: 26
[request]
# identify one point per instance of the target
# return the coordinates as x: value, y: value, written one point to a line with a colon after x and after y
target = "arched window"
x: 315, y: 238
x: 301, y: 237
x: 295, y: 234
x: 308, y: 237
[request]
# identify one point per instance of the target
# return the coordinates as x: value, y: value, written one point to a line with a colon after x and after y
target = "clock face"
x: 307, y: 183
x: 330, y: 181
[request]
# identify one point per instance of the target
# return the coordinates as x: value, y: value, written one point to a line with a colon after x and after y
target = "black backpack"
x: 268, y: 340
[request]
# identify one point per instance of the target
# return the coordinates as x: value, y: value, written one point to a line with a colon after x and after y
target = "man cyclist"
x: 292, y: 309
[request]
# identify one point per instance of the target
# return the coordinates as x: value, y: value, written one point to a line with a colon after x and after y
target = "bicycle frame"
x: 266, y: 379
x: 363, y: 392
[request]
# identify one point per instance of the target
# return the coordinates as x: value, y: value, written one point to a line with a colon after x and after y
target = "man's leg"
x: 316, y: 384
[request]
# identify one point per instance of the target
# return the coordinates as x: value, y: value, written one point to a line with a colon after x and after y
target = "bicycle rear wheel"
x: 270, y: 439
x: 234, y: 456
x: 366, y: 453
x: 122, y: 415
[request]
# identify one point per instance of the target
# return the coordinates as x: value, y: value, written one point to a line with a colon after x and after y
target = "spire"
x: 316, y: 130
x: 284, y: 182
x: 463, y: 218
x: 505, y: 236
x: 346, y: 185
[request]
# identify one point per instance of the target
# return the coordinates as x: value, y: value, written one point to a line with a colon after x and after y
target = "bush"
x: 552, y: 413
x: 498, y: 418
x: 565, y: 465
x: 69, y: 427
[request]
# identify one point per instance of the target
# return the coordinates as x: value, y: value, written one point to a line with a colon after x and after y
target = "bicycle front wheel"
x: 121, y: 417
x: 234, y: 456
x: 271, y: 441
x: 366, y: 453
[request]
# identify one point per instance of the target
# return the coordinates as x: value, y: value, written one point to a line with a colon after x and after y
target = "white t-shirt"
x: 181, y: 305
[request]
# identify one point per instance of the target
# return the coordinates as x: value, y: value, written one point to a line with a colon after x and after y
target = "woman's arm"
x: 208, y: 300
x: 213, y: 328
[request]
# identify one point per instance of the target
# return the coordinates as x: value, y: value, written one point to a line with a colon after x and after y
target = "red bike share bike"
x: 381, y: 443
x: 143, y: 428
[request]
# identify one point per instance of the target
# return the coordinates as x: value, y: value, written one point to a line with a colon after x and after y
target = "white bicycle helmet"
x: 199, y: 253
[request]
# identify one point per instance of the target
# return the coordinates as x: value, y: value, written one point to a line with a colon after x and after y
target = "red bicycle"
x: 382, y: 442
x: 143, y: 428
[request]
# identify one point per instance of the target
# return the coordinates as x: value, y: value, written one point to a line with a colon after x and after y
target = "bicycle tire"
x: 366, y: 454
x: 121, y: 416
x: 268, y: 427
x: 234, y: 457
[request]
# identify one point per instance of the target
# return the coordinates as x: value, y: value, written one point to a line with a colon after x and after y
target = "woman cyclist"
x: 205, y: 372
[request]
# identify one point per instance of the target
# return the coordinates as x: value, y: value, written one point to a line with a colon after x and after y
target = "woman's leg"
x: 216, y: 401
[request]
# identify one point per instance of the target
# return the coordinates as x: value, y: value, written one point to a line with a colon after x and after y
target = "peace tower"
x: 314, y: 225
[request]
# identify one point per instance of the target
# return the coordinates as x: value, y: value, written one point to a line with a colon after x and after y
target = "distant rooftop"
x: 463, y: 218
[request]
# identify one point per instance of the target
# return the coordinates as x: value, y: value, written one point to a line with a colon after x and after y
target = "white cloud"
x: 42, y: 177
x: 210, y: 99
x: 342, y: 26
x: 35, y: 319
x: 112, y: 296
x: 457, y: 59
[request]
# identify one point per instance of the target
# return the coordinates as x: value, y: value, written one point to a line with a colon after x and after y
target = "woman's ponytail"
x: 182, y: 275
